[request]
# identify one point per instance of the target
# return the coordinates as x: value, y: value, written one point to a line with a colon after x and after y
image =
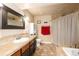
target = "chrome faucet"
x: 18, y: 37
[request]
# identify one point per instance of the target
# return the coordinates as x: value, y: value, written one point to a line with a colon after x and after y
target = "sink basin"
x: 71, y: 51
x: 21, y: 40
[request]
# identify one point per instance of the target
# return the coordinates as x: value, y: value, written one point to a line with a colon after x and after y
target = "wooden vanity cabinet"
x: 18, y: 53
x: 32, y: 47
x: 27, y: 50
x: 26, y: 47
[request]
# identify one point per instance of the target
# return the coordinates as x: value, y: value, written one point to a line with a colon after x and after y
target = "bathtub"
x: 71, y: 51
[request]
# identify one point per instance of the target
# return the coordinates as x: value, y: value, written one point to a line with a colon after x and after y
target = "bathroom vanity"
x: 18, y: 48
x: 26, y: 50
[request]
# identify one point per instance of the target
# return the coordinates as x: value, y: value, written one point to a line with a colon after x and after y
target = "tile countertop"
x: 7, y: 48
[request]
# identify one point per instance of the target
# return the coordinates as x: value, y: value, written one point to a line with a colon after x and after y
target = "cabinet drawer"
x: 18, y: 53
x: 25, y: 48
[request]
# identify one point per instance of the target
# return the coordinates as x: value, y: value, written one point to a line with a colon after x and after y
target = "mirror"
x: 14, y: 20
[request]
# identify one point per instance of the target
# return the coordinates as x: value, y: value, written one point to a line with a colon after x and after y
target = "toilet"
x: 38, y: 42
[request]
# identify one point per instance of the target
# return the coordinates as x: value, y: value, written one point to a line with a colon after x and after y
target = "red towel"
x: 45, y: 30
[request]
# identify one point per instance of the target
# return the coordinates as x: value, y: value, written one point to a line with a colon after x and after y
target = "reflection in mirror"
x: 14, y: 20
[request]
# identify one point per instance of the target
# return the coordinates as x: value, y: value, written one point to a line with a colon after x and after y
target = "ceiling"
x: 49, y: 8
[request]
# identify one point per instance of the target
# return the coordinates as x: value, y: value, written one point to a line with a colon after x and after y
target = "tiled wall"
x: 42, y: 19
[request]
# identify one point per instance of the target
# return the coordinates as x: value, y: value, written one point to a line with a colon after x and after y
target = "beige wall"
x: 47, y: 18
x: 14, y: 7
x: 7, y: 32
x: 28, y: 14
x: 56, y: 16
x: 28, y: 18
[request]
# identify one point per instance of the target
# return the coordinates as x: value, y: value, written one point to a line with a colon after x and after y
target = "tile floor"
x: 45, y: 50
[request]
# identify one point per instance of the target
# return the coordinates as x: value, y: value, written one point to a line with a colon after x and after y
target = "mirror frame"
x: 4, y: 19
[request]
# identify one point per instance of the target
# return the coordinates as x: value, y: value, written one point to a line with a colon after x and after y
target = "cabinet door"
x: 25, y: 48
x: 26, y: 53
x: 31, y: 50
x: 32, y: 47
x: 18, y: 53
